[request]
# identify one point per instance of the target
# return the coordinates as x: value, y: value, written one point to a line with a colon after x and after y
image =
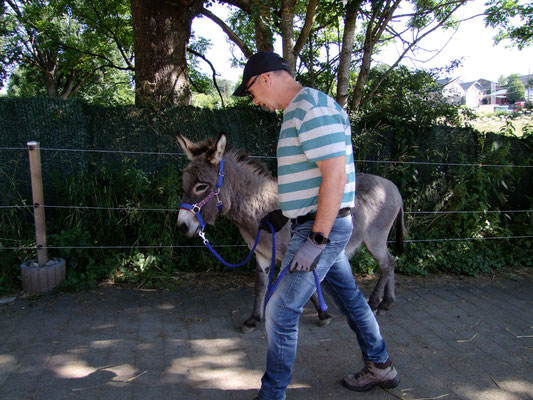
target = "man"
x: 316, y: 189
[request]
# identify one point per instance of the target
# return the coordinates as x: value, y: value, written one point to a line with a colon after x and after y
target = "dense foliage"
x: 408, y: 98
x: 124, y: 187
x: 452, y: 200
x: 513, y: 18
x: 61, y: 48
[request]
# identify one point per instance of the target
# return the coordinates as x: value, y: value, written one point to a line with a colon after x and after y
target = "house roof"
x: 467, y: 85
x: 526, y: 79
x: 446, y: 81
x: 502, y: 93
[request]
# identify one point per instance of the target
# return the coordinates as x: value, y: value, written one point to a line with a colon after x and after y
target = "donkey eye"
x: 201, y: 187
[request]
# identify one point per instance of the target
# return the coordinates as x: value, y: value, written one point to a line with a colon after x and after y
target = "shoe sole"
x: 390, y: 384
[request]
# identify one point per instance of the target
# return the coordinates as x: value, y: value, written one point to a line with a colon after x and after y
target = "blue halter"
x: 196, y: 208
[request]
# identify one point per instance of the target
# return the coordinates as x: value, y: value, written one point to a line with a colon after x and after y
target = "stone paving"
x: 450, y: 338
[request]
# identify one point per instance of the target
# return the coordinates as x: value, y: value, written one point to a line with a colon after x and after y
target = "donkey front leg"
x: 261, y: 284
x: 323, y: 317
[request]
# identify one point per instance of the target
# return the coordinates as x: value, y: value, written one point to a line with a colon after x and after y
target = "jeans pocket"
x: 341, y: 231
x: 302, y: 230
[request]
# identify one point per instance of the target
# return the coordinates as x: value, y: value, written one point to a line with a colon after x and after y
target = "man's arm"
x: 334, y: 179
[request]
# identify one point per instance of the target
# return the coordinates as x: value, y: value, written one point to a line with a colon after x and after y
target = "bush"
x: 430, y: 179
x: 122, y: 190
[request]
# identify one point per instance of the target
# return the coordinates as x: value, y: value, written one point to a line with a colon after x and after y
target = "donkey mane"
x: 207, y: 149
x: 253, y: 164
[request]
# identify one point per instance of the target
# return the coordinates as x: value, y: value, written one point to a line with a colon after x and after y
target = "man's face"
x: 258, y: 90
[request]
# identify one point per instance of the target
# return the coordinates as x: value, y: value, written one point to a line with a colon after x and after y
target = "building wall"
x: 474, y: 97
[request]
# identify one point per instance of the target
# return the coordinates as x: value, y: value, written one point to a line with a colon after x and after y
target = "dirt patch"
x: 240, y: 280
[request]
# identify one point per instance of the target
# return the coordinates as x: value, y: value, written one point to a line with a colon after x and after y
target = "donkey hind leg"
x: 383, y: 294
x: 323, y: 317
x: 389, y: 296
x: 262, y: 270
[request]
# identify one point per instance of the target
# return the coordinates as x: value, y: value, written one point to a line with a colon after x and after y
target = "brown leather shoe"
x: 371, y: 375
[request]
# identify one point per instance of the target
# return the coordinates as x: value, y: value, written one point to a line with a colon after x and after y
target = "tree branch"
x: 411, y: 45
x: 306, y: 29
x: 114, y: 37
x: 231, y: 35
x: 214, y: 73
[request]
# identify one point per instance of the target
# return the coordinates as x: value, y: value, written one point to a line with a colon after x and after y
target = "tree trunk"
x: 292, y: 49
x: 161, y: 31
x: 287, y: 31
x: 376, y: 26
x: 46, y: 61
x: 263, y: 34
x: 364, y: 73
x: 343, y: 74
x: 51, y: 84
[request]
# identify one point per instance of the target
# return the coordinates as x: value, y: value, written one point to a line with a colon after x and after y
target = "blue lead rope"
x: 271, y: 284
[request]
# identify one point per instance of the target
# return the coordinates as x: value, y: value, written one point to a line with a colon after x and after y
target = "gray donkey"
x: 249, y: 192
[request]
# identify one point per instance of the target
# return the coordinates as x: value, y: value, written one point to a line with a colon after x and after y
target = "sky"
x: 472, y: 41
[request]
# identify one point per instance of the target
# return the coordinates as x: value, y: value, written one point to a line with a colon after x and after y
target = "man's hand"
x: 276, y: 218
x: 307, y: 256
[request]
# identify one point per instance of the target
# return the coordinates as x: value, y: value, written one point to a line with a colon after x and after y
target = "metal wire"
x: 266, y: 157
x: 177, y: 209
x: 272, y: 157
x: 152, y: 153
x: 243, y: 245
x: 117, y: 247
x: 93, y: 208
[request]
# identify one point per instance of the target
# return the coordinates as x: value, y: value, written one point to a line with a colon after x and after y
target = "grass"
x: 519, y: 123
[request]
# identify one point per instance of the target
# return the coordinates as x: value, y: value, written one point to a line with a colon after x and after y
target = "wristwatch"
x: 319, y: 238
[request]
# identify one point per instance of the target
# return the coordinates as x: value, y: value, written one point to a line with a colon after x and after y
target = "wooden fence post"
x: 38, y: 201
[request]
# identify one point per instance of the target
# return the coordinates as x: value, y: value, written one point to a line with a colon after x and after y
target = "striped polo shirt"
x: 315, y: 128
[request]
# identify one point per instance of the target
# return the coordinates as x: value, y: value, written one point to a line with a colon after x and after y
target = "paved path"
x: 450, y: 338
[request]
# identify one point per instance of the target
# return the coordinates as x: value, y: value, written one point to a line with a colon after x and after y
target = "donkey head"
x: 200, y: 178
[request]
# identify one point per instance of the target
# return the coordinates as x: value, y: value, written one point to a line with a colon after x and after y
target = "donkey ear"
x: 220, y: 147
x: 187, y: 146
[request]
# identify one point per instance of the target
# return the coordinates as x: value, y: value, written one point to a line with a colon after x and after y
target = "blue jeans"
x: 283, y: 311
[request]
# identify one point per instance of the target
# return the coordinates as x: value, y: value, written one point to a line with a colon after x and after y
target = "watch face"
x: 319, y: 238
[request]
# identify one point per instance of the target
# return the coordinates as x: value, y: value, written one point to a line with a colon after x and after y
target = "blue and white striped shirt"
x: 315, y: 128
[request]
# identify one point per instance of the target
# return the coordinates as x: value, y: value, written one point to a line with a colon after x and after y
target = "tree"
x: 161, y: 30
x: 407, y: 98
x: 302, y: 24
x: 110, y: 87
x: 514, y: 18
x: 329, y: 44
x: 427, y: 16
x: 67, y: 42
x: 516, y: 90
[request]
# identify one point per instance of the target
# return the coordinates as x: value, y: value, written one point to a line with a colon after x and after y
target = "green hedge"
x: 110, y: 179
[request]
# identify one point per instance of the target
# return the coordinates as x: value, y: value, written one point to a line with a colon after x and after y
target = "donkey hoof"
x: 249, y: 325
x: 373, y: 303
x: 381, y: 312
x: 383, y: 309
x: 324, y: 321
x: 247, y: 329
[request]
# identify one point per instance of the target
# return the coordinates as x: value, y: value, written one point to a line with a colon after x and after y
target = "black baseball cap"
x: 259, y: 63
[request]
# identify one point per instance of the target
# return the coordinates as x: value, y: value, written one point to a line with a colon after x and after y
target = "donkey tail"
x: 400, y: 231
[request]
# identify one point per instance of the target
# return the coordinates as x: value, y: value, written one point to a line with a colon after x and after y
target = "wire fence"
x: 179, y: 154
x: 153, y: 153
